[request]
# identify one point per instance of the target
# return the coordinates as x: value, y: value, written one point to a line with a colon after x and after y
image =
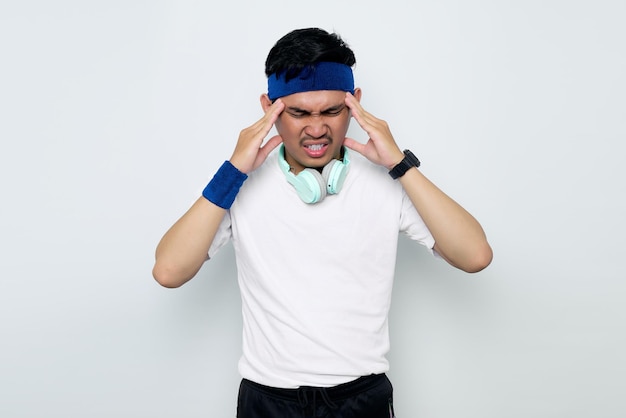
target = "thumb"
x: 354, y: 145
x: 265, y: 150
x: 272, y: 143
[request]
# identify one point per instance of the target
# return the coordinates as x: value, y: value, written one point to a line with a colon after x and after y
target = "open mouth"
x: 315, y: 150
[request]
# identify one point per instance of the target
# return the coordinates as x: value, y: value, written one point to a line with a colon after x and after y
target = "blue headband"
x: 320, y: 76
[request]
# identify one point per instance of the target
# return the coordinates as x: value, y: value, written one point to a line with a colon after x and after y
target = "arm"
x: 184, y: 247
x: 459, y: 238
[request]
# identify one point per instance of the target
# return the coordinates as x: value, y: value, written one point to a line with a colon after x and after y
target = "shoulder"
x: 264, y: 181
x: 362, y: 169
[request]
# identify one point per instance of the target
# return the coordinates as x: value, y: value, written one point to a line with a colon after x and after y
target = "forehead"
x: 315, y: 100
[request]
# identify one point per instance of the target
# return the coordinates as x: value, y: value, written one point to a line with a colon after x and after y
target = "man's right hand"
x: 250, y: 152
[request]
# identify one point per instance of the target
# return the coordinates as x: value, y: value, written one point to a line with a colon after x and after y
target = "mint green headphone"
x: 312, y: 186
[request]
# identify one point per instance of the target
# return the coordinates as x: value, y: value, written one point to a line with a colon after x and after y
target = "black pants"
x: 366, y: 397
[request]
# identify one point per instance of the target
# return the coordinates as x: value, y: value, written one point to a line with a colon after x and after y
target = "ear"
x: 265, y: 102
x: 357, y: 93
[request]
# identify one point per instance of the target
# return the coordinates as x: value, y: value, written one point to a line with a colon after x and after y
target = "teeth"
x: 315, y: 147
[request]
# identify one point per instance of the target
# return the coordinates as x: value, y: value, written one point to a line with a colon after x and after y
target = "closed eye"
x: 300, y: 113
x: 335, y: 111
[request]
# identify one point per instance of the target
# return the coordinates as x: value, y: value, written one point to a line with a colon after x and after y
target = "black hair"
x: 301, y: 48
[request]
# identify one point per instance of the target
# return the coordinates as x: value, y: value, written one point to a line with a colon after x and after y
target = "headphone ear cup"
x: 311, y: 186
x: 334, y: 175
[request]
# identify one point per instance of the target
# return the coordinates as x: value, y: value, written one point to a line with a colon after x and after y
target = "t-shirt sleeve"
x: 222, y: 236
x: 412, y: 224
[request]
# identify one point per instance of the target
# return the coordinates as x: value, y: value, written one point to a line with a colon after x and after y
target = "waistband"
x: 339, y: 392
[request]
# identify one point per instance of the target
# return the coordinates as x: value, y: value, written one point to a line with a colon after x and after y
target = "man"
x: 314, y: 219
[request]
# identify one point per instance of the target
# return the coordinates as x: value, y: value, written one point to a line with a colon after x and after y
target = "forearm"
x: 184, y: 247
x: 459, y: 238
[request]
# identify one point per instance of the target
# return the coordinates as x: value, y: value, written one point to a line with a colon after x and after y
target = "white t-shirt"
x: 316, y: 279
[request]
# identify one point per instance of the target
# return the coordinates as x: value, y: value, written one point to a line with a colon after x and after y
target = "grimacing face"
x: 313, y: 126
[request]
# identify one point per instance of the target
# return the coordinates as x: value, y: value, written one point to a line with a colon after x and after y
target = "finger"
x: 352, y: 103
x: 272, y: 116
x: 275, y: 110
x: 363, y: 118
x: 265, y: 150
x: 354, y: 145
x: 271, y: 143
x: 265, y: 124
x: 246, y: 154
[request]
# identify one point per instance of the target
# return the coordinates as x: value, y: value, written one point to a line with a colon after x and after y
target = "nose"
x: 316, y: 126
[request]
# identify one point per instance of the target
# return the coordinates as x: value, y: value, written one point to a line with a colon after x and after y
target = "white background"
x: 114, y: 115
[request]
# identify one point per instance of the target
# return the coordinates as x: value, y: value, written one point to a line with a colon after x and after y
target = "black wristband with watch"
x: 410, y: 160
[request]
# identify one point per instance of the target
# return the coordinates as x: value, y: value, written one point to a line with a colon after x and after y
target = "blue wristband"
x: 224, y: 186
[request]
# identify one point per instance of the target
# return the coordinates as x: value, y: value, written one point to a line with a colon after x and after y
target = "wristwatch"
x: 410, y: 160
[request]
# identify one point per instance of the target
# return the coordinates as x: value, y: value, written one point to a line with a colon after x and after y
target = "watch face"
x: 410, y: 160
